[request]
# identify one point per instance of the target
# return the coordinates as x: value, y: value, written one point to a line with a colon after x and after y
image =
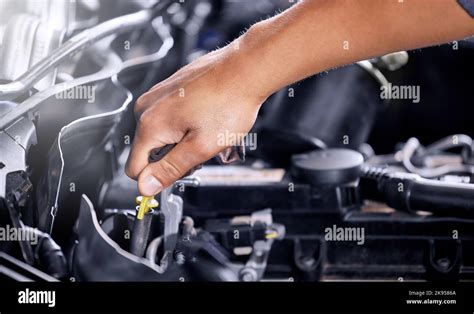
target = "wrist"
x: 248, y: 66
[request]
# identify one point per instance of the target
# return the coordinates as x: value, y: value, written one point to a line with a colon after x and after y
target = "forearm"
x: 318, y: 35
x: 225, y: 89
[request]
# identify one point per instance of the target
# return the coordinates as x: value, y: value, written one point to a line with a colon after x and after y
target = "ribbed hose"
x: 410, y: 192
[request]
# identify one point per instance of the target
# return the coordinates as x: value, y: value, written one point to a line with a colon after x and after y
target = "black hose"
x: 410, y: 192
x: 140, y: 234
x: 49, y: 254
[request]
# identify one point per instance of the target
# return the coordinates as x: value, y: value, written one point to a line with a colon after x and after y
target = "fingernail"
x: 150, y: 186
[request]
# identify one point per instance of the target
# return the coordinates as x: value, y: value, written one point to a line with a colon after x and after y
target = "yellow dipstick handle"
x: 145, y: 204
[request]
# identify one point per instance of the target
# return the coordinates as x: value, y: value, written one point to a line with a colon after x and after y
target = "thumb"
x: 173, y: 166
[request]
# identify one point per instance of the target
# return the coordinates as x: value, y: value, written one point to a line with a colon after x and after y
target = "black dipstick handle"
x: 158, y: 153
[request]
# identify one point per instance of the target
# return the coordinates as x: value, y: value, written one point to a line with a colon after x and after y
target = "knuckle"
x: 129, y: 172
x: 146, y: 119
x: 140, y: 104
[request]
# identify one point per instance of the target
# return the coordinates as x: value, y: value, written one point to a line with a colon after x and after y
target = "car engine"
x: 335, y: 182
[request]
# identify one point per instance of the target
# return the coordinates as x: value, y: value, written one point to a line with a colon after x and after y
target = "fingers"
x: 143, y: 144
x: 180, y: 160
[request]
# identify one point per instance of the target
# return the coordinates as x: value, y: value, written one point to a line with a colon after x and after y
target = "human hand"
x: 213, y: 95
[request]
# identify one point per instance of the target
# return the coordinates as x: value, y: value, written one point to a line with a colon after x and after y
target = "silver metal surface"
x: 13, y: 145
x: 99, y: 119
x: 80, y: 41
x: 172, y: 208
x: 374, y: 72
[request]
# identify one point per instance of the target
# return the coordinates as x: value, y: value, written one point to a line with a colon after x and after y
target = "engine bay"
x: 335, y: 182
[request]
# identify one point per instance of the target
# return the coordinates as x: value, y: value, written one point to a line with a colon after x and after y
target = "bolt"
x: 444, y: 263
x: 248, y: 275
x: 179, y: 258
x: 307, y: 262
